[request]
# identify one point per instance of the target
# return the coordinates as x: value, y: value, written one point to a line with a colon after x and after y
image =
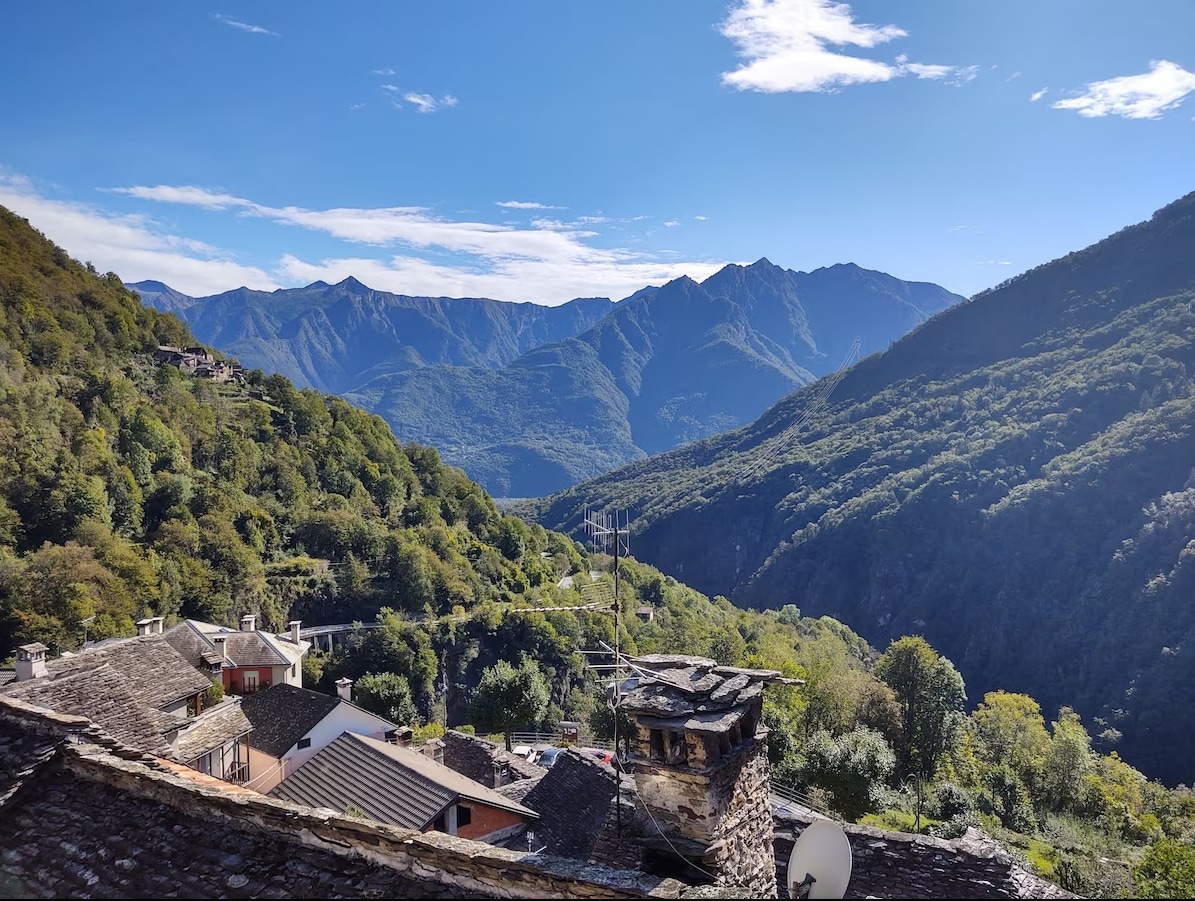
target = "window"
x: 464, y: 815
x: 657, y: 745
x: 677, y: 751
x: 294, y: 670
x: 249, y: 680
x: 304, y: 743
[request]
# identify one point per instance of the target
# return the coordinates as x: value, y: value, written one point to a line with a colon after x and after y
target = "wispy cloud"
x: 383, y: 71
x: 426, y: 103
x: 786, y: 45
x: 356, y: 105
x: 1013, y: 77
x: 133, y: 246
x: 1144, y: 96
x: 244, y: 26
x: 548, y: 262
x: 1038, y: 95
x: 958, y: 228
x: 994, y: 263
x: 392, y: 88
x: 525, y: 205
x: 701, y: 218
x: 669, y: 223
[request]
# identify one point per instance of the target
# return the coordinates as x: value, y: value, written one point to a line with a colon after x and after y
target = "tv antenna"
x: 616, y: 530
x: 820, y: 863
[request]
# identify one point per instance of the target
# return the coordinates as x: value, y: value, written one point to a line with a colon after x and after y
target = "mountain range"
x: 530, y: 399
x: 1015, y: 480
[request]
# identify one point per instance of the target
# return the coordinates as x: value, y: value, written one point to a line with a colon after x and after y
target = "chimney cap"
x: 33, y: 648
x: 147, y: 620
x: 344, y: 680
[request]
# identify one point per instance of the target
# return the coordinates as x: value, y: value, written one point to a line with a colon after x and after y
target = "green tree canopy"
x: 509, y: 696
x: 388, y: 695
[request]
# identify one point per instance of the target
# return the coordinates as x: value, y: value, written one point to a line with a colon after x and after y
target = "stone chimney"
x: 344, y: 688
x: 144, y: 626
x: 248, y: 623
x: 31, y: 661
x: 295, y: 624
x: 155, y: 625
x: 219, y: 641
x: 700, y: 757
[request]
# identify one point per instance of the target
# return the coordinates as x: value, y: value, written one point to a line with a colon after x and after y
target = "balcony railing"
x: 238, y: 774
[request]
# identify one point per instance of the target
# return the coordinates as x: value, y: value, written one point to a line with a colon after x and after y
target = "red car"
x: 606, y: 757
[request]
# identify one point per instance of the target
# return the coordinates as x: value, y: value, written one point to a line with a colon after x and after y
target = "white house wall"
x: 343, y: 718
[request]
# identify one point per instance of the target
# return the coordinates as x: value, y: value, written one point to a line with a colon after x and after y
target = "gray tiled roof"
x: 212, y: 729
x: 385, y: 782
x: 6, y: 676
x: 572, y: 800
x: 193, y: 639
x: 67, y: 836
x: 153, y: 671
x: 188, y: 641
x: 283, y: 714
x: 485, y: 762
x: 252, y: 649
x: 102, y: 695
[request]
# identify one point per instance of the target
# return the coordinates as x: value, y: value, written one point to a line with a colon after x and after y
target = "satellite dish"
x: 820, y: 865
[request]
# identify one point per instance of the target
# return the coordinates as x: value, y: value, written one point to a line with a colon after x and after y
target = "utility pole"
x: 599, y: 525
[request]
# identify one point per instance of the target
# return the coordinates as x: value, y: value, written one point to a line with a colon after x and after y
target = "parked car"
x: 548, y: 756
x: 602, y: 755
x: 527, y: 752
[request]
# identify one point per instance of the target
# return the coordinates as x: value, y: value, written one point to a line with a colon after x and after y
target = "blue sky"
x: 546, y: 150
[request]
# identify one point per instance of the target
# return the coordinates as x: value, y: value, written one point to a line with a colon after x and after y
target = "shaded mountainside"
x: 1014, y: 480
x: 337, y: 337
x: 666, y: 366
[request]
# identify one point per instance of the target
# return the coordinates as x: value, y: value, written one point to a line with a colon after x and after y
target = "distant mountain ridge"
x: 336, y: 337
x: 528, y: 399
x: 1013, y: 480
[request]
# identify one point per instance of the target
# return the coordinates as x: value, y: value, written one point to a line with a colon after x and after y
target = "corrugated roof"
x: 212, y: 729
x: 153, y: 671
x: 385, y: 782
x: 283, y: 714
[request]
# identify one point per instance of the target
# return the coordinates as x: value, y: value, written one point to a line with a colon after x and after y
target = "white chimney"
x: 31, y: 661
x: 294, y: 630
x: 344, y: 688
x: 248, y: 623
x: 144, y: 626
x: 155, y: 625
x: 219, y: 641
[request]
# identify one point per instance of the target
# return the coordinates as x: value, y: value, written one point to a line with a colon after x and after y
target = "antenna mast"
x: 617, y: 530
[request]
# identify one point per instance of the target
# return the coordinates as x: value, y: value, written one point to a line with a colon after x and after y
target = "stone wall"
x: 900, y: 865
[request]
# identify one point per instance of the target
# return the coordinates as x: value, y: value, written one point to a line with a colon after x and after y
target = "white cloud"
x: 548, y: 262
x: 994, y: 263
x: 671, y: 222
x: 1038, y: 95
x: 383, y: 71
x: 425, y: 103
x: 701, y: 218
x: 957, y: 228
x: 133, y: 246
x: 525, y: 205
x: 1145, y: 96
x: 356, y: 105
x: 244, y: 26
x: 786, y: 47
x: 448, y: 100
x: 393, y: 88
x: 1012, y: 77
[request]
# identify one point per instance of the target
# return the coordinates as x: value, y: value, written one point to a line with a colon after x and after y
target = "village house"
x: 141, y: 691
x: 292, y: 724
x: 244, y: 660
x: 198, y: 362
x: 398, y: 785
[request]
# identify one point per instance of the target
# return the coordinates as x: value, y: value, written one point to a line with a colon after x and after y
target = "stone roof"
x: 282, y: 714
x: 153, y: 671
x: 6, y: 676
x: 194, y: 640
x: 684, y: 692
x: 517, y: 791
x: 79, y: 820
x: 102, y: 695
x: 385, y: 782
x: 572, y: 799
x: 485, y: 762
x: 213, y: 728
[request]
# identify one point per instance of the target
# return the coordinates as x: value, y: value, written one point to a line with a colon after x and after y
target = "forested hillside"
x: 128, y: 489
x: 1013, y: 480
